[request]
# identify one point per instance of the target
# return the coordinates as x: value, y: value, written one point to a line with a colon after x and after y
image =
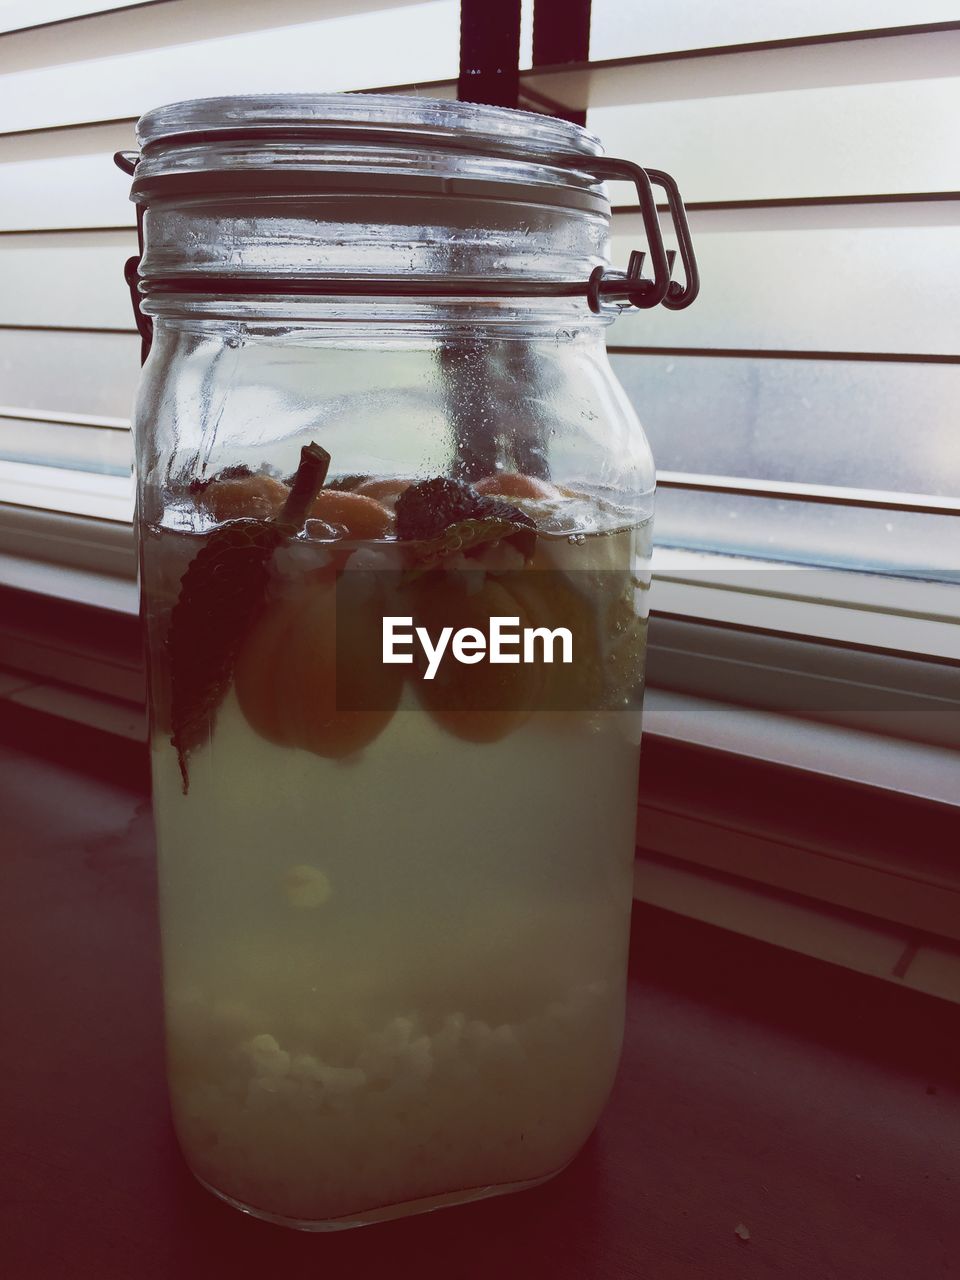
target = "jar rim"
x: 467, y: 127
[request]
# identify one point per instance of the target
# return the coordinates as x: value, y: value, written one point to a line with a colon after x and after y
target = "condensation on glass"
x: 395, y: 934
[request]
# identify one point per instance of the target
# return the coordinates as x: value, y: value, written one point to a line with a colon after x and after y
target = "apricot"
x: 291, y: 686
x: 256, y: 676
x: 236, y: 497
x: 551, y: 601
x: 357, y: 514
x: 511, y: 484
x: 385, y: 491
x: 482, y: 702
x: 609, y: 637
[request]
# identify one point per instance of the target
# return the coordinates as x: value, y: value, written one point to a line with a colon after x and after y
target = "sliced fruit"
x: 290, y: 685
x: 231, y: 497
x: 385, y: 491
x: 357, y: 515
x: 221, y: 595
x: 512, y: 484
x: 551, y: 601
x: 485, y: 701
x: 255, y: 678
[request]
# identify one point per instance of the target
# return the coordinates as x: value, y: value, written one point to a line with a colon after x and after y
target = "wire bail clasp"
x: 127, y: 161
x: 614, y: 290
x: 606, y: 290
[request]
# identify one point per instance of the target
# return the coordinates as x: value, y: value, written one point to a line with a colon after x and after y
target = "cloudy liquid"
x: 397, y: 979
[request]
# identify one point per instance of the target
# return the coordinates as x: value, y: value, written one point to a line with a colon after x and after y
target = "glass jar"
x: 395, y: 906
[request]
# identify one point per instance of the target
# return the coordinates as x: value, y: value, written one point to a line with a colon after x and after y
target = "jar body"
x: 394, y: 963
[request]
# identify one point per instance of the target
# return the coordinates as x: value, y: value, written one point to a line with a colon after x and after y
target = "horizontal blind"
x: 353, y: 45
x: 814, y: 143
x: 17, y: 15
x: 816, y: 147
x: 74, y: 77
x: 620, y: 28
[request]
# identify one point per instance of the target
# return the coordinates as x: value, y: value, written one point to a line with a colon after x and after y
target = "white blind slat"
x: 406, y: 44
x: 79, y: 373
x: 620, y: 29
x: 831, y: 422
x: 16, y: 14
x: 785, y: 145
x: 66, y: 280
x: 825, y: 289
x: 857, y: 140
x: 76, y: 140
x: 75, y: 191
x: 110, y: 31
x: 733, y: 73
x: 83, y: 493
x: 54, y: 444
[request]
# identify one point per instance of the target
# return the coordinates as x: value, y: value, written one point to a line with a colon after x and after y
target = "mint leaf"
x: 221, y: 596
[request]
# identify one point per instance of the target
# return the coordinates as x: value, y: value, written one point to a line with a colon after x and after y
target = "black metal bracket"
x: 489, y: 52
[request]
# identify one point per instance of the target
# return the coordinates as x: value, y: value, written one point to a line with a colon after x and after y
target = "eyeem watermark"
x: 507, y: 642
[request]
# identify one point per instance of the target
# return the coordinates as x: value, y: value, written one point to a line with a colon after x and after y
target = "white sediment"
x: 420, y: 1109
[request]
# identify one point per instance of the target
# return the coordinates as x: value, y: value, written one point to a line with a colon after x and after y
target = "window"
x: 803, y: 413
x: 813, y: 142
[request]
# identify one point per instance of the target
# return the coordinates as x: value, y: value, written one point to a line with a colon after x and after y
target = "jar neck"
x: 353, y: 246
x: 347, y: 320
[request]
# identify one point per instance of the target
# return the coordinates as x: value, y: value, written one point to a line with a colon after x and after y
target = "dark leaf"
x: 469, y: 537
x: 221, y: 596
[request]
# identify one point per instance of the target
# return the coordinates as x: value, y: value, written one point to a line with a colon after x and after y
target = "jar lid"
x: 519, y: 133
x: 299, y: 143
x: 218, y: 156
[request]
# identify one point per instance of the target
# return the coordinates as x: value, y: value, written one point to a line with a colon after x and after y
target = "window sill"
x: 851, y: 940
x: 64, y: 582
x: 833, y: 751
x: 60, y: 489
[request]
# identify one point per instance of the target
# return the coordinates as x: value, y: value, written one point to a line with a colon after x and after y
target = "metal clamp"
x: 127, y: 161
x: 612, y: 289
x: 606, y: 290
x: 678, y: 296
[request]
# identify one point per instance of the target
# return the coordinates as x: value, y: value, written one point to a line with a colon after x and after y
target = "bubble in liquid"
x: 577, y: 539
